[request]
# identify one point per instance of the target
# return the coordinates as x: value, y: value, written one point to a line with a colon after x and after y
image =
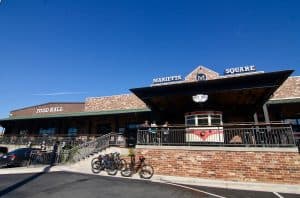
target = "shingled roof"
x: 288, y: 90
x: 116, y: 102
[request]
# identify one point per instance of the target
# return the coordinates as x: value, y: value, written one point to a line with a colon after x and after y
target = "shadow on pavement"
x: 25, y: 181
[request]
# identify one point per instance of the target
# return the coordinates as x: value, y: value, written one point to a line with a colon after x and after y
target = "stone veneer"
x: 289, y: 89
x: 117, y: 102
x: 266, y: 165
x: 210, y: 74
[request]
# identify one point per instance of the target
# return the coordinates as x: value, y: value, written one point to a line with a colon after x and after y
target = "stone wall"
x: 210, y: 74
x: 226, y: 164
x: 117, y: 102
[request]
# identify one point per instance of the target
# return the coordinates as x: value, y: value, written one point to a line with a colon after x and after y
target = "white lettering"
x: 51, y: 110
x: 236, y: 70
x: 166, y: 79
x: 247, y: 68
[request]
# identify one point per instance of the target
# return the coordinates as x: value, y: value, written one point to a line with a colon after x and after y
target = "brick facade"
x: 117, y: 102
x: 246, y: 166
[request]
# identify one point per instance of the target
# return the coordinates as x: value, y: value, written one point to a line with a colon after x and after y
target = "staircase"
x: 87, y: 149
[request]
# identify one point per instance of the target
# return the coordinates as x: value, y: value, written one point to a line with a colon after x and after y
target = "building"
x: 241, y: 95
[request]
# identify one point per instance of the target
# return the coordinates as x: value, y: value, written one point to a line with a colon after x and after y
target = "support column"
x: 266, y: 113
x: 255, y: 118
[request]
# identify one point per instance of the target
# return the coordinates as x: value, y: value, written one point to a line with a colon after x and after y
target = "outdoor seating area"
x: 254, y: 135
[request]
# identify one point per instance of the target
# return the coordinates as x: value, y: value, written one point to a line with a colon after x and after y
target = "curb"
x: 252, y: 186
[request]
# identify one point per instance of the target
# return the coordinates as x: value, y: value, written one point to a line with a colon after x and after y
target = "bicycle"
x: 97, y: 162
x: 121, y: 163
x: 106, y: 163
x: 145, y: 171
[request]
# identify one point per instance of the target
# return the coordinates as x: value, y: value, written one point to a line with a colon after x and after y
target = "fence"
x: 269, y: 135
x: 47, y: 140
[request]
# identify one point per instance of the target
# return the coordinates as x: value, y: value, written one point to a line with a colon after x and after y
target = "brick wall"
x: 271, y: 167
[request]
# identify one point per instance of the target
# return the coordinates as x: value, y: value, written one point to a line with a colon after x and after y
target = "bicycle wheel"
x: 96, y: 167
x: 122, y: 164
x: 112, y: 168
x: 127, y: 172
x: 146, y: 172
x: 93, y: 160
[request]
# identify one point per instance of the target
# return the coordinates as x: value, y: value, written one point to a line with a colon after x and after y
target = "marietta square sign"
x: 238, y: 70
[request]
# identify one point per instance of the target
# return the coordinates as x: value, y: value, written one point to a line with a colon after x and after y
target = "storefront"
x: 240, y: 95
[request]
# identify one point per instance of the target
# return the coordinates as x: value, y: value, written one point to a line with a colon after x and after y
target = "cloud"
x: 58, y: 93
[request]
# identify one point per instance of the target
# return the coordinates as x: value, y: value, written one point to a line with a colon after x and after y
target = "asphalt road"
x: 74, y: 185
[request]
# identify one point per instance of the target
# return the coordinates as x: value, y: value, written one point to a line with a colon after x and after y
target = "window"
x: 295, y: 124
x: 72, y: 131
x: 202, y: 120
x: 190, y: 120
x: 215, y: 119
x: 208, y: 119
x: 47, y: 131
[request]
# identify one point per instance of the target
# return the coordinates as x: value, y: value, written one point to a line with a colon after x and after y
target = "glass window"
x: 47, y: 131
x: 190, y: 120
x: 215, y: 119
x: 291, y: 121
x: 72, y: 131
x: 203, y: 121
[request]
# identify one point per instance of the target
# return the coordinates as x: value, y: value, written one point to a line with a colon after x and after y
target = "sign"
x: 238, y: 70
x: 49, y: 110
x: 200, y: 98
x: 166, y: 79
x: 201, y: 76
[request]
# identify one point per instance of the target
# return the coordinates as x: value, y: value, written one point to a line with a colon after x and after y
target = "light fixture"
x: 200, y: 98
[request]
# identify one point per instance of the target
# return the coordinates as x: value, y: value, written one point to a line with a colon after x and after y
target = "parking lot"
x: 64, y: 184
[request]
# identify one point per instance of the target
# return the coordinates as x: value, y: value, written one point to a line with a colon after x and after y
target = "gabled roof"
x: 290, y: 89
x: 210, y: 74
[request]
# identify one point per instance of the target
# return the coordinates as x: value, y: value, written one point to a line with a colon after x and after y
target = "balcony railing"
x: 47, y: 140
x: 260, y: 135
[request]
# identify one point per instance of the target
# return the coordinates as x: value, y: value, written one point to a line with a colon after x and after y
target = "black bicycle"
x: 145, y: 171
x: 105, y: 162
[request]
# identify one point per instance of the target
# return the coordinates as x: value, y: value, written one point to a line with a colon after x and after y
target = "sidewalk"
x: 252, y: 186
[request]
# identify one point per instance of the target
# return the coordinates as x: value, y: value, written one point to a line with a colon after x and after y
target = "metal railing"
x: 268, y: 135
x: 86, y: 149
x: 47, y: 140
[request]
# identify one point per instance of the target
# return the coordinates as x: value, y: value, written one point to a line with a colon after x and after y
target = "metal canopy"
x: 235, y: 96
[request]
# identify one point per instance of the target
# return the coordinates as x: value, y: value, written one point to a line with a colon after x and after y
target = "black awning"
x: 237, y: 95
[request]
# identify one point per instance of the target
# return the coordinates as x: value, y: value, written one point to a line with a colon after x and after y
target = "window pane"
x: 215, y: 121
x: 203, y: 121
x: 203, y: 116
x: 216, y: 116
x: 191, y: 122
x: 72, y: 131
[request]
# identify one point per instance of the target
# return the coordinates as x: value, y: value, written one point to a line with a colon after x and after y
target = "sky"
x: 67, y: 50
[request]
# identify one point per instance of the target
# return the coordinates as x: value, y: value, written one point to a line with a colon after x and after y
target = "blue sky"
x: 80, y: 48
